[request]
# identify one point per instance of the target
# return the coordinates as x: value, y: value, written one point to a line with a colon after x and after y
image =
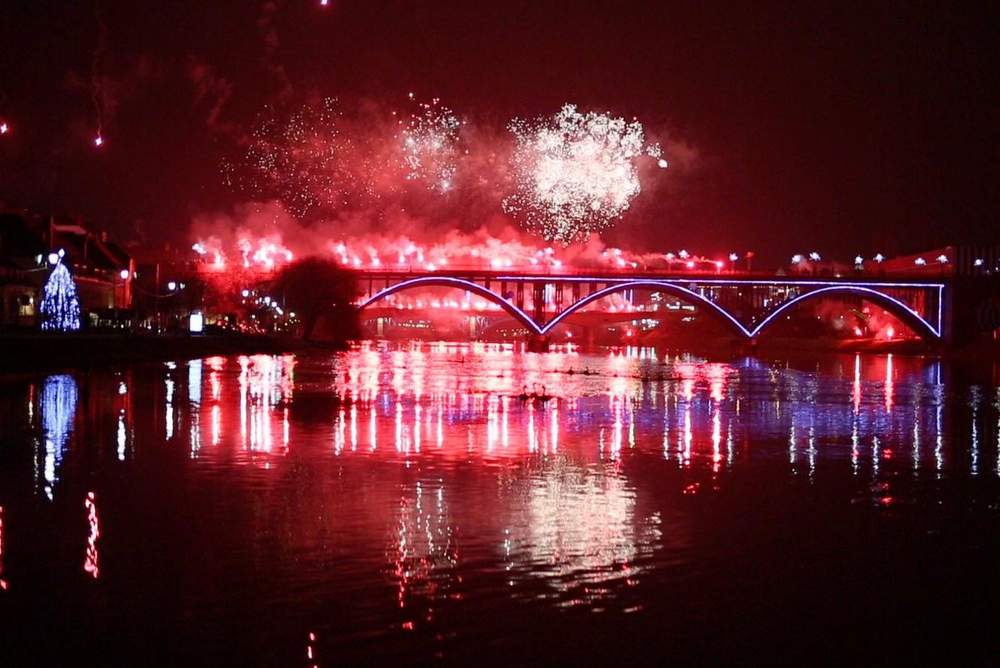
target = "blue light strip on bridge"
x: 446, y: 281
x: 851, y: 288
x: 657, y: 285
x: 723, y: 281
x: 625, y: 284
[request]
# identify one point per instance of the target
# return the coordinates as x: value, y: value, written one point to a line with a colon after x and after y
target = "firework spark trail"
x: 576, y: 173
x: 563, y: 177
x: 318, y: 160
x: 367, y: 187
x: 96, y: 82
x: 430, y: 146
x: 297, y: 162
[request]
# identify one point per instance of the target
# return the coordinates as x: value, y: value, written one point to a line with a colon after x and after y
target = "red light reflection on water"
x: 311, y: 650
x: 423, y: 551
x: 416, y: 432
x: 266, y: 383
x: 90, y: 556
x: 3, y: 582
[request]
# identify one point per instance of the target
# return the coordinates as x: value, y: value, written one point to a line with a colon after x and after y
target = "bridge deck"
x: 749, y: 304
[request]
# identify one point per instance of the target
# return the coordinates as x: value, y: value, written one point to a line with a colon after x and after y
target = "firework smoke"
x: 262, y: 236
x: 374, y: 187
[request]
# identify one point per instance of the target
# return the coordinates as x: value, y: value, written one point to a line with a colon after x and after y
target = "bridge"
x: 747, y: 305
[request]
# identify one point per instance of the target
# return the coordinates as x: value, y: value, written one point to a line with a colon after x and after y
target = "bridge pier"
x: 538, y: 343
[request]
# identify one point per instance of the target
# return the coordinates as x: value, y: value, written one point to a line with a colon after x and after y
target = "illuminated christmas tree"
x: 60, y: 305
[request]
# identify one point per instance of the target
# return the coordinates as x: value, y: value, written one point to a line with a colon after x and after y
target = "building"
x: 102, y: 269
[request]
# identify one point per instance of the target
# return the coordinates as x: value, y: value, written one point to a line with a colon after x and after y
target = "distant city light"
x: 4, y: 128
x: 171, y: 286
x: 814, y: 256
x: 733, y: 257
x: 683, y: 254
x: 858, y: 259
x: 98, y: 141
x: 943, y: 259
x: 978, y: 262
x: 196, y: 323
x: 879, y: 257
x: 797, y: 258
x: 920, y: 262
x: 246, y: 293
x: 124, y: 274
x: 53, y: 258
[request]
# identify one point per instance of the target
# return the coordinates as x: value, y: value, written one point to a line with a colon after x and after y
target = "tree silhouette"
x: 313, y: 287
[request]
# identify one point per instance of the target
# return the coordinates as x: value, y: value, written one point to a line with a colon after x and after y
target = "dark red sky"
x: 845, y: 128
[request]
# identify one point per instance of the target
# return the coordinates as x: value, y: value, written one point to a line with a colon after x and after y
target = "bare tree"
x: 314, y: 287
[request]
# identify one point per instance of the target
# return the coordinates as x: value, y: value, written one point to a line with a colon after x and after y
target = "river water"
x: 404, y: 503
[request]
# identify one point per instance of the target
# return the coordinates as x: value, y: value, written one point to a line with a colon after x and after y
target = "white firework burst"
x: 575, y: 173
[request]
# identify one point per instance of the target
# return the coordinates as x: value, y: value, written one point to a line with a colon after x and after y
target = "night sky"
x: 838, y: 127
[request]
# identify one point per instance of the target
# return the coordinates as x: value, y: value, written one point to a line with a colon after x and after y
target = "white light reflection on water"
x: 58, y: 406
x: 577, y: 528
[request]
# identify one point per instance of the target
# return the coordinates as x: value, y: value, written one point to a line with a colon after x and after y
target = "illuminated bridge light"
x: 703, y: 292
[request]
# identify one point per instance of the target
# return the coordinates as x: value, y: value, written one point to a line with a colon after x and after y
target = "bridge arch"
x: 462, y: 284
x: 894, y: 306
x: 658, y: 286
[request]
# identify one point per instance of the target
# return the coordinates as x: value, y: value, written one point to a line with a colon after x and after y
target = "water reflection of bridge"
x: 747, y: 306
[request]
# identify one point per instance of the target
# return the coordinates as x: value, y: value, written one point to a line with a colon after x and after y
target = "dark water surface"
x: 400, y: 504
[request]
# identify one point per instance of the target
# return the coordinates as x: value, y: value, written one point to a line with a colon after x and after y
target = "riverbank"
x: 50, y: 352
